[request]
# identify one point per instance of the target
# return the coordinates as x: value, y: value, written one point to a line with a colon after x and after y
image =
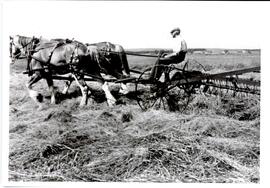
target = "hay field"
x: 216, y: 140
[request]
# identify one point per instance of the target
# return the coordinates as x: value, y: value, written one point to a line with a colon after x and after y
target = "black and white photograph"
x: 132, y: 91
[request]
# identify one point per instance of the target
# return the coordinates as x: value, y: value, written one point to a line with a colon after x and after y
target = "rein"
x: 128, y: 53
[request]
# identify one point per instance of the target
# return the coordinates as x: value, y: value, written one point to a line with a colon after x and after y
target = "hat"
x: 176, y: 29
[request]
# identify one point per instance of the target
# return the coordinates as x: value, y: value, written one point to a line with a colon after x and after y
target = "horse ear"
x: 10, y: 37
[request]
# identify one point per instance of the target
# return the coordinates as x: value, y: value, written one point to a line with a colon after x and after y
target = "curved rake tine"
x: 166, y: 97
x: 186, y: 105
x: 220, y: 85
x: 153, y: 103
x: 159, y: 104
x: 164, y: 106
x: 148, y: 104
x: 227, y: 88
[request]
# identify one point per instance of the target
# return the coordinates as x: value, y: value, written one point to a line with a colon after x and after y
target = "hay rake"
x: 175, y: 89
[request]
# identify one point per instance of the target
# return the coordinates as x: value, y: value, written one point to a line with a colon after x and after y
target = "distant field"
x: 210, y: 62
x: 216, y: 140
x: 216, y: 61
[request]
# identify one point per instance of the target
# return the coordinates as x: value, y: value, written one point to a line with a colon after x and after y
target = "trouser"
x: 167, y: 60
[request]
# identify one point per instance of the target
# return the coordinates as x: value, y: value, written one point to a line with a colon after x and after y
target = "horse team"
x: 46, y: 58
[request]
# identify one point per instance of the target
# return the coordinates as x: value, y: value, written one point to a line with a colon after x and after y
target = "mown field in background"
x: 214, y: 62
x: 215, y: 140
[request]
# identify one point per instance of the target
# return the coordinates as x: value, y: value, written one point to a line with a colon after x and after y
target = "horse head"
x: 20, y: 45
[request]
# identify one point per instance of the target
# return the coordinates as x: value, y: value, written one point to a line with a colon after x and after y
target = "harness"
x: 73, y: 58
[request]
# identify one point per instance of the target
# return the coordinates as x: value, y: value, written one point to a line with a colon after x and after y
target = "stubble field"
x: 217, y: 139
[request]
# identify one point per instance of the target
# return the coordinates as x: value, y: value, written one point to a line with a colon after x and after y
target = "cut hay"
x: 155, y: 146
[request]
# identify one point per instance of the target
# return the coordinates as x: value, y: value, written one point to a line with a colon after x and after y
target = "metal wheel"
x: 164, y: 93
x: 192, y: 68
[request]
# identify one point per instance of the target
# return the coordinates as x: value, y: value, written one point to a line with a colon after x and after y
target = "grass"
x: 217, y: 139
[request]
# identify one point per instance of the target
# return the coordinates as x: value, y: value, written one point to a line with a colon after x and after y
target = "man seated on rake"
x: 178, y: 55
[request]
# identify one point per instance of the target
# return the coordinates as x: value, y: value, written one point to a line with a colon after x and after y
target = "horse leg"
x: 68, y: 83
x: 105, y: 87
x: 13, y: 54
x: 123, y: 89
x: 51, y: 88
x: 124, y: 62
x: 37, y: 97
x: 110, y: 99
x: 84, y: 89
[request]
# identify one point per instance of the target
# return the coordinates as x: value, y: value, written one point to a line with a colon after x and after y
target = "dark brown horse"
x: 62, y: 57
x: 112, y: 60
x: 112, y: 55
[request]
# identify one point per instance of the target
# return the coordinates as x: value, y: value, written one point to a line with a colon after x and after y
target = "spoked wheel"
x: 160, y: 94
x: 191, y: 69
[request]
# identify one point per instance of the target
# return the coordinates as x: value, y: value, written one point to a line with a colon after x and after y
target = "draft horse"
x: 72, y: 57
x: 112, y: 55
x: 112, y: 60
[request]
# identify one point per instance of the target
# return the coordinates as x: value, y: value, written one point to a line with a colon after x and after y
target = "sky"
x: 140, y: 24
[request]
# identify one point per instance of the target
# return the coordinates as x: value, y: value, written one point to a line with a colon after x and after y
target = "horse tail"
x: 123, y: 59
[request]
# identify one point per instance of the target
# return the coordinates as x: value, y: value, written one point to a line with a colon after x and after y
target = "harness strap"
x: 72, y: 57
x: 70, y: 65
x: 47, y: 64
x: 29, y: 55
